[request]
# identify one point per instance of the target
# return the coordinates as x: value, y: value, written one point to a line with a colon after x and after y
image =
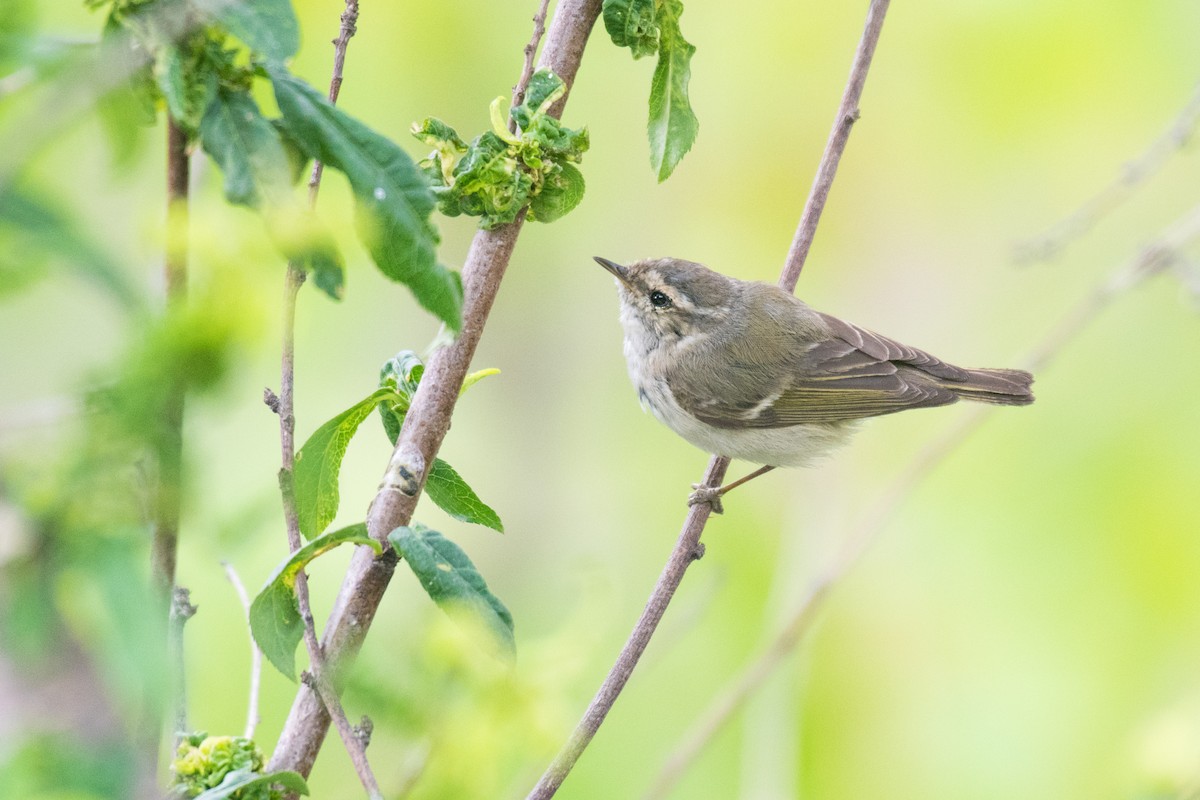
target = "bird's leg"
x: 712, y: 496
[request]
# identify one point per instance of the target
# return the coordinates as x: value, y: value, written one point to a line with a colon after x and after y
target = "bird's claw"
x: 707, y: 494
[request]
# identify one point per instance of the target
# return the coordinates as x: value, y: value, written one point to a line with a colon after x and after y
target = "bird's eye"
x: 659, y: 299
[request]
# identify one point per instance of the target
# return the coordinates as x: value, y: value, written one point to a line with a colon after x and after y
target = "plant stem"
x: 170, y: 445
x: 252, y: 714
x: 847, y: 115
x: 168, y: 438
x: 688, y: 547
x: 318, y: 670
x: 539, y: 28
x: 424, y: 428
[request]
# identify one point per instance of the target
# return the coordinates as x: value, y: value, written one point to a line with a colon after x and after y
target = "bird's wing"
x: 850, y: 375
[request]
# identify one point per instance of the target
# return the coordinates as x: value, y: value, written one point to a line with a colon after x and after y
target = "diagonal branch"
x: 424, y: 428
x: 688, y: 547
x: 1152, y: 260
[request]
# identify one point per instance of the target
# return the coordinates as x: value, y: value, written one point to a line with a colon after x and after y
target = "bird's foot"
x: 707, y: 494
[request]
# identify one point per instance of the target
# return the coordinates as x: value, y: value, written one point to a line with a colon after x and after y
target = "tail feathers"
x: 1002, y: 387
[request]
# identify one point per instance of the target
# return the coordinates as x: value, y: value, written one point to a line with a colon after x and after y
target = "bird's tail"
x: 1001, y: 387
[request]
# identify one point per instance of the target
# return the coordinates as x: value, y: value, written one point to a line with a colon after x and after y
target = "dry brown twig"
x: 688, y: 547
x: 424, y: 428
x: 1154, y: 259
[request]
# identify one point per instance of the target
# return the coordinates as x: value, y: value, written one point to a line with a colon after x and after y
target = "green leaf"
x: 632, y: 24
x: 476, y: 377
x: 673, y: 125
x: 248, y: 149
x: 560, y: 193
x: 544, y: 89
x: 394, y: 198
x: 187, y: 80
x: 266, y: 26
x: 258, y: 173
x: 451, y: 493
x: 452, y: 581
x: 275, y: 613
x: 245, y: 779
x: 320, y: 460
x: 401, y: 373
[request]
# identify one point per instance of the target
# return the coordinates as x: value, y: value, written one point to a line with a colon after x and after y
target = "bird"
x: 749, y: 371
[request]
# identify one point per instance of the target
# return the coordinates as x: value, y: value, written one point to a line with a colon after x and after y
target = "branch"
x: 318, y: 670
x: 539, y: 28
x: 252, y: 715
x: 1083, y: 219
x: 170, y: 455
x: 424, y: 427
x: 181, y: 611
x: 1152, y: 260
x: 688, y: 547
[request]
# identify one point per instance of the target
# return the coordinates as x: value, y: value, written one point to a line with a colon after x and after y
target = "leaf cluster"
x: 218, y: 767
x: 501, y: 172
x: 651, y: 27
x: 200, y: 59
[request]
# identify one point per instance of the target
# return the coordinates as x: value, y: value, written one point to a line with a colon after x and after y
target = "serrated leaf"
x: 244, y: 779
x: 451, y: 493
x: 673, y: 125
x: 275, y: 613
x: 394, y: 197
x: 561, y: 192
x: 268, y: 27
x: 319, y: 461
x: 452, y: 581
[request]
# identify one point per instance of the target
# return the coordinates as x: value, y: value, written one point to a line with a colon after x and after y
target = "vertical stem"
x: 169, y: 439
x: 170, y: 445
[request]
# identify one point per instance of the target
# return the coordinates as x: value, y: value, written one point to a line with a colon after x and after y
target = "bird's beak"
x: 619, y: 272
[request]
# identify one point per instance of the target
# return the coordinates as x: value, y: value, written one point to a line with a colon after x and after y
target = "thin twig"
x: 181, y: 611
x: 1150, y: 261
x: 318, y: 669
x: 424, y: 428
x: 170, y: 454
x: 252, y: 714
x: 688, y: 547
x: 539, y: 28
x: 168, y: 438
x: 1171, y: 141
x: 847, y: 115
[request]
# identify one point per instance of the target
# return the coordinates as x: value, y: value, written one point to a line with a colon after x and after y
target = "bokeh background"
x: 1026, y: 626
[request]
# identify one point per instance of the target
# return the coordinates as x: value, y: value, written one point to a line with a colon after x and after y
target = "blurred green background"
x: 1027, y: 625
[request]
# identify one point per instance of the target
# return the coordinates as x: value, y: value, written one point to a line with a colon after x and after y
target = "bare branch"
x: 252, y: 715
x: 839, y: 135
x: 1135, y: 173
x: 1150, y: 261
x: 539, y: 27
x: 284, y: 406
x: 181, y: 611
x: 688, y: 547
x: 424, y: 427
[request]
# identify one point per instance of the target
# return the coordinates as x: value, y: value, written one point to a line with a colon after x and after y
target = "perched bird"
x: 746, y: 370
